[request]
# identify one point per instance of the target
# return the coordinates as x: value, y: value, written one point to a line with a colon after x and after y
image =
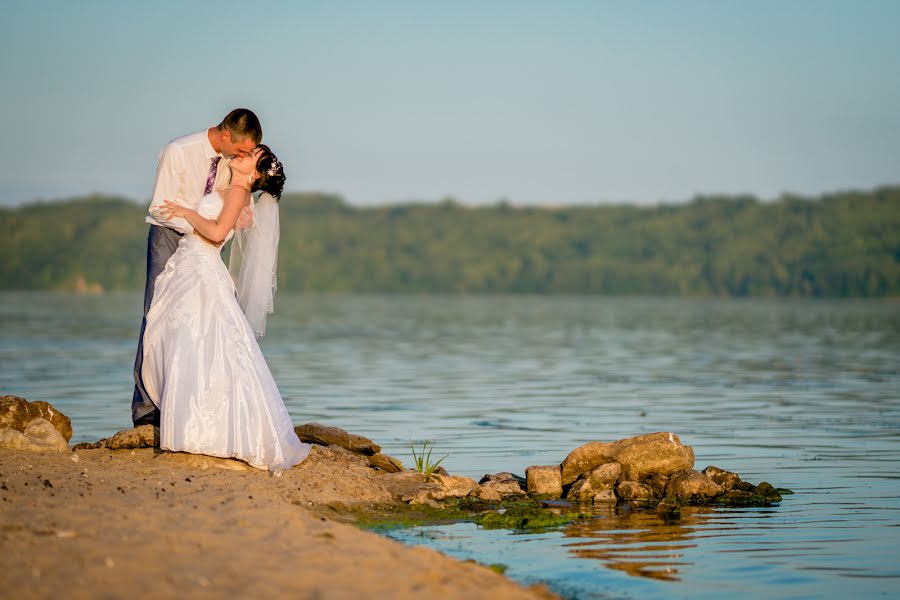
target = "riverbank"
x: 143, y: 523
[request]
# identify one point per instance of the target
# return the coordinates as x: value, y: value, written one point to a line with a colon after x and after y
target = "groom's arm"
x: 169, y: 174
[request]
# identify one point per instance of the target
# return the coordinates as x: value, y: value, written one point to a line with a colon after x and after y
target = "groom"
x: 189, y: 168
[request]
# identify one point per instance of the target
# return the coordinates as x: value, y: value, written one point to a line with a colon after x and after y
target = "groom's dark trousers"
x: 161, y: 245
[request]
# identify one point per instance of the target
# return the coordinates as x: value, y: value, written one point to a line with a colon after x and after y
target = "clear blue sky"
x: 537, y: 102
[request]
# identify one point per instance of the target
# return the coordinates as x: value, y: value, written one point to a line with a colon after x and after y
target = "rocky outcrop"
x: 316, y: 433
x: 16, y: 413
x: 39, y: 435
x: 655, y: 469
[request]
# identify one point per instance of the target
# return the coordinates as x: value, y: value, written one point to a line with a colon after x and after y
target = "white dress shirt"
x: 181, y: 177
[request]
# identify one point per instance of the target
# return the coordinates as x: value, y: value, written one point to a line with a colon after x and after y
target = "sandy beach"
x: 99, y: 523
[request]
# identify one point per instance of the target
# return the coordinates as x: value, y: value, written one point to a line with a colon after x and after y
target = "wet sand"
x: 140, y: 523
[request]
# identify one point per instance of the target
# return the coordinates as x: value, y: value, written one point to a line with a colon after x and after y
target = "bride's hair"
x: 271, y: 173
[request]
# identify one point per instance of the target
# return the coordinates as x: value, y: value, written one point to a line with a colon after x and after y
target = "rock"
x: 505, y: 484
x: 605, y: 496
x: 315, y: 433
x: 581, y: 490
x: 659, y: 453
x: 765, y: 490
x: 142, y: 436
x: 405, y: 486
x: 641, y: 456
x: 423, y: 498
x: 583, y: 459
x: 633, y: 491
x: 39, y: 436
x: 452, y: 486
x: 668, y: 505
x: 726, y: 479
x: 744, y: 486
x: 606, y: 474
x: 544, y: 480
x: 16, y: 413
x: 761, y: 495
x: 692, y: 486
x: 385, y: 463
x: 488, y: 493
x: 444, y: 486
x: 657, y: 484
x: 202, y: 461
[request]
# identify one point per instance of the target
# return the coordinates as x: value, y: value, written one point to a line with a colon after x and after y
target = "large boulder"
x: 692, y: 486
x: 641, y: 456
x: 544, y: 480
x: 39, y: 436
x: 316, y: 433
x: 16, y: 413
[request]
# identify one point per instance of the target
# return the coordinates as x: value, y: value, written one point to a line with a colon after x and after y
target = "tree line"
x: 843, y: 244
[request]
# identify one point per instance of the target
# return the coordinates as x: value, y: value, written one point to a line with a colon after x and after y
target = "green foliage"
x: 423, y: 462
x: 840, y: 245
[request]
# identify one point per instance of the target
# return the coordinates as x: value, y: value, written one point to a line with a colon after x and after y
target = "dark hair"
x: 242, y: 123
x: 271, y: 173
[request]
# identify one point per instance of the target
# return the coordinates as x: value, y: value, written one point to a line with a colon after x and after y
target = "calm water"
x: 804, y: 394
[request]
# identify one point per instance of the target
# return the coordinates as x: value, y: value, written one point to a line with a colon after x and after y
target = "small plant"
x: 423, y: 460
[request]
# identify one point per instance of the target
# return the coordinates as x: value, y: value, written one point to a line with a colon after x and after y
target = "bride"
x: 202, y: 365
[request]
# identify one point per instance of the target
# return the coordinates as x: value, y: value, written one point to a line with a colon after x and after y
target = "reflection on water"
x: 803, y: 394
x: 641, y: 543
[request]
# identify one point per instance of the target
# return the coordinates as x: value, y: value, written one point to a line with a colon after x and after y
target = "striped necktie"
x: 211, y: 179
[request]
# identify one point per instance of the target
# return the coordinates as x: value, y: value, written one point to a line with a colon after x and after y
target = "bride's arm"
x: 216, y: 230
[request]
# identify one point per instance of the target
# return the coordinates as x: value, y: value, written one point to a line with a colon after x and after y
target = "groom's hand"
x: 245, y: 219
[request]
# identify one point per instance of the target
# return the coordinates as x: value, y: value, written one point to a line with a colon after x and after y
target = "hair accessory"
x: 274, y: 167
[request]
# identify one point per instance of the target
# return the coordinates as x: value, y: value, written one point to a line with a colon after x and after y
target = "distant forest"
x: 837, y: 245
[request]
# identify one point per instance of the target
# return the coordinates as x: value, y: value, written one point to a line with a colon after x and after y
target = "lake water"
x: 803, y: 394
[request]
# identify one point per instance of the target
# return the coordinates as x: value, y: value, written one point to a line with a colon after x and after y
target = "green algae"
x: 528, y: 517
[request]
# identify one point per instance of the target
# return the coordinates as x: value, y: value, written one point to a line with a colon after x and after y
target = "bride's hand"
x: 170, y: 210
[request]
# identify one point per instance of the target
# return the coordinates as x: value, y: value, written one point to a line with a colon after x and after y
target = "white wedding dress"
x: 203, y: 368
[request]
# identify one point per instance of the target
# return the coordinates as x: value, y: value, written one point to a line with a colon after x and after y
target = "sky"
x: 542, y: 103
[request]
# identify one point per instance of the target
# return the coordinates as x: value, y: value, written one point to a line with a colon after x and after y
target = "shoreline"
x: 143, y: 522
